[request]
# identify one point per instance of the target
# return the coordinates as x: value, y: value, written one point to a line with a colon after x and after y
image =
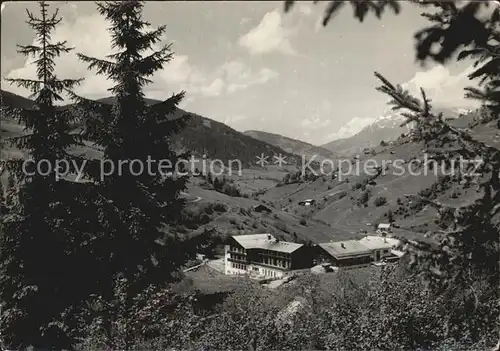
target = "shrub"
x: 380, y: 201
x: 204, y: 218
x: 364, y: 197
x: 218, y: 207
x: 281, y: 226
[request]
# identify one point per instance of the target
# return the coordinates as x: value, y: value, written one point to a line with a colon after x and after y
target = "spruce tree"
x: 135, y: 248
x: 39, y: 274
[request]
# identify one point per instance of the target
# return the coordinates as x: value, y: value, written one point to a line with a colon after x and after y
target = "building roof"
x: 397, y: 253
x: 345, y: 249
x: 265, y: 242
x: 377, y: 242
x: 261, y: 207
x: 384, y: 226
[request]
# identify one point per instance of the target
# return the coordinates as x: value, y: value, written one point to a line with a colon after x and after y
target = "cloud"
x: 269, y: 36
x: 305, y: 9
x: 68, y: 65
x: 318, y: 24
x: 233, y: 120
x: 443, y: 87
x: 352, y: 127
x: 239, y: 76
x: 178, y: 74
x: 214, y: 89
x: 314, y: 123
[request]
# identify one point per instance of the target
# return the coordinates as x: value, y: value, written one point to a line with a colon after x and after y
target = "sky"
x: 253, y: 67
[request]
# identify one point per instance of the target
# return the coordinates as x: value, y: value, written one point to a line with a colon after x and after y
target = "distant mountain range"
x: 219, y: 141
x: 293, y: 146
x: 10, y: 99
x: 386, y: 128
x: 202, y: 135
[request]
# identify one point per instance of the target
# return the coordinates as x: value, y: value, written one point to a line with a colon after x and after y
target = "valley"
x: 345, y: 206
x: 250, y: 176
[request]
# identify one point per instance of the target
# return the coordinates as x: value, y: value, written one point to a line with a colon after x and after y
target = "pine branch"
x: 29, y: 50
x: 150, y: 38
x: 472, y: 221
x: 360, y: 8
x: 162, y: 109
x: 148, y: 65
x: 101, y: 66
x: 62, y: 85
x: 29, y: 84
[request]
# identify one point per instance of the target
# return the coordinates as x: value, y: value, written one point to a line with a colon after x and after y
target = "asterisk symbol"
x: 280, y: 160
x: 262, y: 160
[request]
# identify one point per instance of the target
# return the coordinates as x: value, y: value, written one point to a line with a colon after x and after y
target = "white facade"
x: 383, y: 228
x: 254, y: 270
x: 259, y: 256
x: 232, y: 268
x: 264, y: 271
x: 380, y: 247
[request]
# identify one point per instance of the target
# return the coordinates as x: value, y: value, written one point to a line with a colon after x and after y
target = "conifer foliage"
x: 39, y: 278
x: 480, y: 42
x: 465, y: 263
x: 456, y: 26
x: 137, y: 204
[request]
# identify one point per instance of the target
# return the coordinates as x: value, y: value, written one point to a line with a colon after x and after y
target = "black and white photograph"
x: 250, y: 175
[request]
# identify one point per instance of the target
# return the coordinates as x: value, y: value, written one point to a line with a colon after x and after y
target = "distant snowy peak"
x: 388, y: 120
x: 394, y: 119
x: 372, y: 131
x: 464, y: 111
